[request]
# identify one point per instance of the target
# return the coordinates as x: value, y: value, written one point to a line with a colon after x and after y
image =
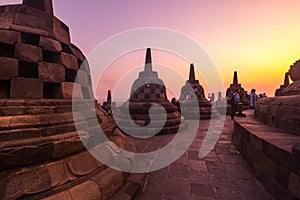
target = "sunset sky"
x: 258, y: 38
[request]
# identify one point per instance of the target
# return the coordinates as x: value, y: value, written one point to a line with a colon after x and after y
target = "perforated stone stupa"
x: 190, y: 104
x: 232, y: 88
x: 146, y: 92
x: 41, y: 154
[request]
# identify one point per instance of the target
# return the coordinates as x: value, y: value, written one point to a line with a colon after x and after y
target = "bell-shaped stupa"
x: 148, y: 92
x: 41, y: 153
x: 235, y: 86
x: 198, y: 107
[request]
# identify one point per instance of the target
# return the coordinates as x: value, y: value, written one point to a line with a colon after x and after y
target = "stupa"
x: 108, y: 105
x: 232, y: 88
x: 269, y: 140
x: 147, y: 92
x: 204, y: 106
x: 285, y: 84
x: 41, y: 153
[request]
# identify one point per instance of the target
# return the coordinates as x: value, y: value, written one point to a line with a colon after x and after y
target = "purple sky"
x: 255, y: 37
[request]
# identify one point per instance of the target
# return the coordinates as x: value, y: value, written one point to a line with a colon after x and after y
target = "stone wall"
x: 268, y: 152
x: 282, y: 112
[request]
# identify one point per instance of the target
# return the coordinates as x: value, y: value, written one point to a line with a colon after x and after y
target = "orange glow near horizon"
x: 258, y: 39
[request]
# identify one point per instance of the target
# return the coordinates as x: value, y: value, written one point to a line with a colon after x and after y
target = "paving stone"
x: 228, y: 195
x: 202, y: 190
x: 193, y: 155
x: 230, y: 179
x: 180, y: 185
x: 197, y: 165
x: 199, y: 177
x: 183, y: 173
x: 248, y: 192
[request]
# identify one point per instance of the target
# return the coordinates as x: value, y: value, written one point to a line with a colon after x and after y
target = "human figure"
x: 211, y: 97
x: 253, y: 98
x: 234, y: 100
x: 264, y: 95
x: 260, y: 96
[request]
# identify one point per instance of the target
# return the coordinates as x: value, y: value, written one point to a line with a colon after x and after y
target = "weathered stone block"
x: 67, y: 90
x: 50, y: 45
x: 9, y: 37
x: 62, y: 195
x: 51, y: 72
x: 28, y: 181
x: 82, y: 164
x: 8, y: 68
x: 109, y: 182
x: 86, y: 190
x: 26, y: 88
x: 29, y: 17
x: 68, y: 60
x: 61, y: 31
x: 59, y: 173
x: 77, y: 53
x: 30, y: 53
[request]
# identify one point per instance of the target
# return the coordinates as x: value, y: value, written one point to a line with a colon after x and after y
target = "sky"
x: 258, y: 38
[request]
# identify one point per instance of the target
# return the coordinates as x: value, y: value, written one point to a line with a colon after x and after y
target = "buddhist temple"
x: 234, y: 87
x: 286, y: 82
x: 41, y: 153
x: 147, y: 92
x: 269, y: 139
x: 198, y: 107
x: 108, y: 105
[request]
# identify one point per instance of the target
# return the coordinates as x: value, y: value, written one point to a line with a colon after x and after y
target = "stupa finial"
x: 235, y: 78
x: 192, y: 73
x: 148, y: 62
x: 286, y: 79
x: 108, y: 97
x: 43, y: 5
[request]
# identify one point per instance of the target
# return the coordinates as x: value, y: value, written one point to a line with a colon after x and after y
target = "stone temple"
x: 269, y: 140
x: 205, y: 108
x: 232, y: 88
x: 41, y: 154
x: 146, y: 92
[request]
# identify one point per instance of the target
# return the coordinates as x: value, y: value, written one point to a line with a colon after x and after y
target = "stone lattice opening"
x: 70, y: 75
x: 29, y: 38
x: 49, y: 56
x: 52, y: 91
x: 7, y: 50
x: 4, y: 89
x: 66, y: 48
x: 28, y: 69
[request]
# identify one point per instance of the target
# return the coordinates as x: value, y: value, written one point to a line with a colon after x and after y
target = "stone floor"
x: 222, y: 174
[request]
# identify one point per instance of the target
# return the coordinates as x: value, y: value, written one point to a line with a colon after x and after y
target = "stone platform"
x: 222, y: 174
x: 268, y: 152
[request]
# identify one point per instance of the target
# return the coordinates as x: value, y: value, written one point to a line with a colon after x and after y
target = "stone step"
x: 15, y: 110
x: 34, y: 121
x: 63, y: 178
x: 168, y: 122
